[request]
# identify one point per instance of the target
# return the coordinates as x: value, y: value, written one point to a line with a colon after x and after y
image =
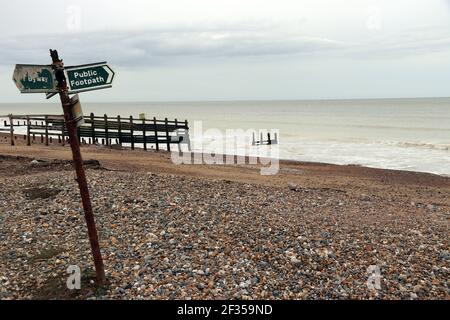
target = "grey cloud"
x: 412, y: 41
x: 155, y: 47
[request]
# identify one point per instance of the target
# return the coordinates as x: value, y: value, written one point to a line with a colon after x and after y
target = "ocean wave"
x: 442, y: 147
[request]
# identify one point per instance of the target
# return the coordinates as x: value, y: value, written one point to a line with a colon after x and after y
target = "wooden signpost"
x: 55, y: 79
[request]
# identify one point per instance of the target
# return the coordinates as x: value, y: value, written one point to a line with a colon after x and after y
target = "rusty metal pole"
x: 58, y: 66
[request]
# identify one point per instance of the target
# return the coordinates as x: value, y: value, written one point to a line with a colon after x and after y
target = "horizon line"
x: 241, y: 100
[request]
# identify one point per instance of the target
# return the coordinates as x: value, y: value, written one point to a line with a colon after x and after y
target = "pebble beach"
x: 170, y: 232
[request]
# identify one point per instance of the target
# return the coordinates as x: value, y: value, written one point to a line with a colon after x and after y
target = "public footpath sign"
x: 89, y: 77
x: 56, y: 79
x: 41, y: 78
x: 34, y: 78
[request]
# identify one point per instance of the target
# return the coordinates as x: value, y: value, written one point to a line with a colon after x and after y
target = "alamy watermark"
x: 374, y: 277
x: 73, y: 21
x: 374, y: 20
x: 74, y: 280
x: 218, y: 147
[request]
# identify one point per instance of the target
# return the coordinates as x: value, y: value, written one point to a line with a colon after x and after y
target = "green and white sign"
x: 34, y: 78
x: 89, y: 77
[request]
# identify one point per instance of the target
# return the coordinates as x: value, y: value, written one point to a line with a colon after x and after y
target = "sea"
x: 404, y: 134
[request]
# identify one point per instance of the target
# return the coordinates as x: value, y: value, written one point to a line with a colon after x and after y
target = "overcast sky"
x: 170, y: 50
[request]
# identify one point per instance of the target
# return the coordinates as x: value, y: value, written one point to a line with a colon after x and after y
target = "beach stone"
x: 295, y: 262
x: 152, y: 237
x: 444, y: 255
x: 292, y: 186
x: 417, y: 288
x: 4, y: 295
x: 245, y: 284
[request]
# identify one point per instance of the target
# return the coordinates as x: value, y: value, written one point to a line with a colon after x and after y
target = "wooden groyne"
x: 261, y: 141
x: 103, y: 130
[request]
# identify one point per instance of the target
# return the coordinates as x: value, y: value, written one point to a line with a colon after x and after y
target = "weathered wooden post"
x: 46, y: 130
x: 132, y: 132
x: 105, y: 117
x: 144, y: 135
x: 166, y: 126
x: 28, y: 132
x: 156, y: 133
x: 187, y: 129
x: 11, y: 129
x: 63, y: 133
x: 58, y: 66
x: 93, y: 126
x: 119, y: 129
